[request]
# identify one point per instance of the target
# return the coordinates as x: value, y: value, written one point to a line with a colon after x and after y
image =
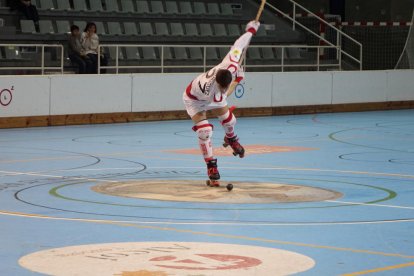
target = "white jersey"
x: 205, y: 88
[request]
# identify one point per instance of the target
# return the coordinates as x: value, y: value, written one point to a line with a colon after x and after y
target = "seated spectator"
x: 28, y: 9
x: 76, y: 53
x: 90, y: 43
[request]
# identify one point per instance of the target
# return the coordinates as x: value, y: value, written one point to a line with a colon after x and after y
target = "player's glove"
x: 252, y: 26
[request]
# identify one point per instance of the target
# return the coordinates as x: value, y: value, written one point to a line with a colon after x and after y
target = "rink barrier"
x: 56, y: 100
x: 112, y: 118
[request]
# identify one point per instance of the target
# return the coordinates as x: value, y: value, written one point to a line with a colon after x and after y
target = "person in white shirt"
x: 209, y: 91
x: 90, y: 44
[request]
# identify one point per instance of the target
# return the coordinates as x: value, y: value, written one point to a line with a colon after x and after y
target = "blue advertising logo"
x: 239, y: 91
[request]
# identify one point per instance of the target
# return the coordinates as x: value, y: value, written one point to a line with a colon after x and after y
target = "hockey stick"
x: 233, y: 85
x: 259, y: 12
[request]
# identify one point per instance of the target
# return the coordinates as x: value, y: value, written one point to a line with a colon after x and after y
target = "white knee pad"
x: 204, y: 130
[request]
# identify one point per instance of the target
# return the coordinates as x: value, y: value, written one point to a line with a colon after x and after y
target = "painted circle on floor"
x: 197, y: 191
x: 166, y: 258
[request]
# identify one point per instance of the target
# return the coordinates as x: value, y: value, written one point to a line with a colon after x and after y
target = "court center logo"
x: 166, y: 258
x: 6, y: 96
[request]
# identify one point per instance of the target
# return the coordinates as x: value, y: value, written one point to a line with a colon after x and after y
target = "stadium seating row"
x: 9, y: 53
x: 193, y: 53
x: 152, y: 53
x: 117, y: 23
x: 139, y: 6
x: 141, y: 28
x: 27, y: 53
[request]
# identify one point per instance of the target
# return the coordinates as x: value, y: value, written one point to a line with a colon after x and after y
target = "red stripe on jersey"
x: 232, y: 66
x: 238, y: 79
x: 188, y: 92
x: 232, y: 59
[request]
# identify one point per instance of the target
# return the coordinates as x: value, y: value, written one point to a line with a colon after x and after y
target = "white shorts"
x: 193, y: 106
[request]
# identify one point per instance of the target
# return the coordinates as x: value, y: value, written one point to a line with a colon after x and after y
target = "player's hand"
x: 252, y: 26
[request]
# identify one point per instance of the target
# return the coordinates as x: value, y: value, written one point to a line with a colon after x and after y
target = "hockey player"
x: 209, y: 91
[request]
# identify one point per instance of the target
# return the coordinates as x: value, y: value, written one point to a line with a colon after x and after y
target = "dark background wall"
x: 382, y: 46
x: 357, y: 10
x: 379, y: 10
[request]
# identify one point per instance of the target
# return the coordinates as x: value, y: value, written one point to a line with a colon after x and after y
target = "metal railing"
x: 23, y: 53
x: 162, y: 62
x: 281, y: 62
x: 340, y: 35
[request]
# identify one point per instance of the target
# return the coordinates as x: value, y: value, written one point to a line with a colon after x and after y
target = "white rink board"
x: 155, y: 92
x: 87, y: 94
x: 29, y: 96
x: 255, y: 90
x: 400, y: 85
x: 359, y: 87
x: 302, y: 88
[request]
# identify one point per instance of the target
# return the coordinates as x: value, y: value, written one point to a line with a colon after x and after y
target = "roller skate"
x: 235, y: 145
x: 213, y: 173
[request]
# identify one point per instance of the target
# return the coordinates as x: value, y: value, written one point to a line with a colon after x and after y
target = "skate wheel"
x: 213, y: 183
x: 229, y: 187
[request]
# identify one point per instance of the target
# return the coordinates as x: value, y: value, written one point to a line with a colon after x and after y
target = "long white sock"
x: 228, y: 121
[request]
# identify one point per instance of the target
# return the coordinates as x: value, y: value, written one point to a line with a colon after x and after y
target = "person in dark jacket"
x: 29, y: 11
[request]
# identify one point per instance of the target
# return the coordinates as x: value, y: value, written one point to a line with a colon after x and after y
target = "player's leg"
x: 228, y: 121
x: 204, y: 132
x: 196, y: 110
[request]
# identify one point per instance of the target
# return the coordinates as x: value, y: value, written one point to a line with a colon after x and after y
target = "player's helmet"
x: 223, y: 77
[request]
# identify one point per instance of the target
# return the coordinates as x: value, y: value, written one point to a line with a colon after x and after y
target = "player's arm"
x: 237, y: 51
x: 241, y: 44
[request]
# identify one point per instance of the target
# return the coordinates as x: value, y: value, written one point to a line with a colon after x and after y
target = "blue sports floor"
x: 52, y: 222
